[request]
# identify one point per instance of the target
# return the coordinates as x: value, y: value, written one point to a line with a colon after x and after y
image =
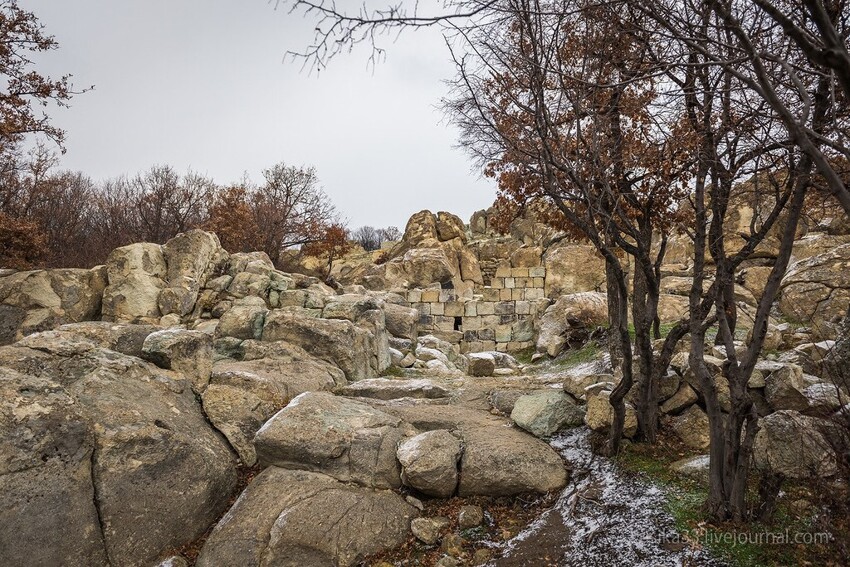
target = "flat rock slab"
x: 388, y: 389
x: 343, y: 438
x: 295, y: 518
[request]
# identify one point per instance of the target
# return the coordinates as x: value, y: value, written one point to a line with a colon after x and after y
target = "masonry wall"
x: 502, y: 316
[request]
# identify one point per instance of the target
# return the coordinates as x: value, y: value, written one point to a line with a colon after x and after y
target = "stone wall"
x: 503, y: 316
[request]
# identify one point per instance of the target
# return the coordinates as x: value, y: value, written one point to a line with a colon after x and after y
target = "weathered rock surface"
x: 136, y: 275
x: 578, y: 310
x: 794, y: 445
x: 357, y: 442
x: 481, y: 364
x: 573, y: 268
x: 544, y: 413
x: 337, y: 341
x: 401, y: 321
x: 692, y: 428
x: 429, y: 462
x: 296, y: 518
x: 388, y: 389
x: 784, y: 388
x: 817, y: 289
x: 187, y: 352
x: 503, y: 462
x: 98, y: 434
x: 600, y: 414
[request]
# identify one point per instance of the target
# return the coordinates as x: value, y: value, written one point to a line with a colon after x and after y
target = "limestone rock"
x: 784, y: 389
x: 600, y: 414
x: 502, y: 462
x: 136, y: 276
x: 420, y: 226
x: 578, y: 310
x: 429, y: 462
x: 817, y: 289
x: 692, y: 428
x: 573, y: 268
x: 544, y: 413
x: 427, y: 530
x: 244, y: 320
x: 297, y: 518
x: 357, y: 444
x: 450, y: 226
x: 794, y: 445
x: 135, y: 443
x: 401, y: 321
x: 388, y: 389
x: 576, y: 386
x: 683, y: 398
x: 337, y: 341
x: 481, y: 364
x: 123, y: 338
x: 470, y: 517
x: 425, y: 266
x: 187, y: 352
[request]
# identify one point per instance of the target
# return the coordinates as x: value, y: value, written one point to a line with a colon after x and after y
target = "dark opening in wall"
x: 458, y: 323
x: 447, y: 285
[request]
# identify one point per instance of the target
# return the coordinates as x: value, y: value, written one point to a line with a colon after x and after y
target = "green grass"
x: 524, y: 356
x: 574, y: 357
x: 685, y: 499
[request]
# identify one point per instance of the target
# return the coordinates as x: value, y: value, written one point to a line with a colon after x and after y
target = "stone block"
x: 471, y: 323
x: 498, y: 283
x: 486, y: 308
x: 503, y: 334
x: 502, y: 347
x: 470, y: 308
x: 538, y: 282
x: 510, y: 283
x: 426, y: 320
x: 523, y: 307
x: 505, y: 308
x: 487, y: 335
x: 423, y: 308
x: 453, y: 309
x: 447, y: 295
x: 490, y: 294
x: 414, y: 296
x: 519, y: 272
x: 489, y: 321
x: 505, y: 294
x: 507, y: 319
x: 534, y: 293
x: 537, y: 272
x: 517, y: 294
x: 503, y: 270
x: 444, y: 323
x: 437, y: 308
x: 431, y: 295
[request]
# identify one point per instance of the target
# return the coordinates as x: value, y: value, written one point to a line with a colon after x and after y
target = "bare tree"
x: 367, y: 237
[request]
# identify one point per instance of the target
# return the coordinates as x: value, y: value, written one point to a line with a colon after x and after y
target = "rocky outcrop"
x: 357, y: 444
x: 111, y: 450
x: 136, y: 276
x: 573, y: 268
x: 296, y: 518
x: 817, y: 289
x: 44, y: 299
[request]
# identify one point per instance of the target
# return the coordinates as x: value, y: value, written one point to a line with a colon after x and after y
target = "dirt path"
x: 602, y: 518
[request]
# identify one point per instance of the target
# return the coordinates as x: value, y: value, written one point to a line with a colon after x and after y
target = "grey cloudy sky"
x: 202, y: 84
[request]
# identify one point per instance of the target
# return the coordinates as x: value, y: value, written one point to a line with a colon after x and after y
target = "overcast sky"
x: 203, y: 84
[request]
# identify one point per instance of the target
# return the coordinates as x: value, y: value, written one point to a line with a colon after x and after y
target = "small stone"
x: 452, y: 545
x: 447, y: 562
x: 415, y: 502
x: 427, y: 530
x: 470, y: 517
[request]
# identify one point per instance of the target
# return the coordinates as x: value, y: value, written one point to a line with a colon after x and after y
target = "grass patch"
x: 524, y: 356
x: 573, y: 357
x: 685, y: 499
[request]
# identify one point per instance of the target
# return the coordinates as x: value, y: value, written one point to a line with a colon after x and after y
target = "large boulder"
x: 481, y: 364
x: 337, y: 341
x: 187, y: 352
x: 425, y: 266
x: 794, y: 445
x: 817, y: 290
x: 120, y: 337
x: 692, y: 428
x: 502, y: 462
x: 600, y: 415
x: 296, y: 518
x: 420, y: 226
x: 573, y: 312
x: 136, y: 276
x: 784, y: 388
x: 43, y: 299
x: 191, y: 257
x: 357, y: 442
x: 429, y: 462
x: 544, y: 413
x: 573, y: 268
x: 450, y: 226
x: 244, y: 319
x: 402, y: 322
x: 113, y: 451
